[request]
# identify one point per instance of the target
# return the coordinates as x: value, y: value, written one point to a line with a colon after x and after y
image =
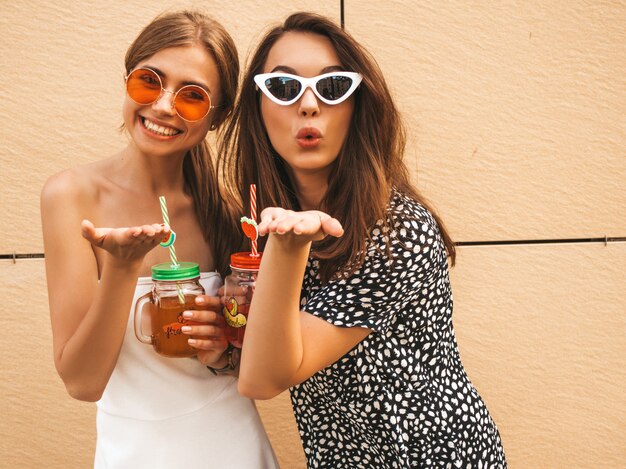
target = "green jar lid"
x: 182, y: 271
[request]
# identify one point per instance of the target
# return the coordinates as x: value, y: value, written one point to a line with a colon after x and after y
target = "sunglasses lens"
x: 192, y: 103
x: 283, y: 88
x: 334, y: 87
x: 143, y: 86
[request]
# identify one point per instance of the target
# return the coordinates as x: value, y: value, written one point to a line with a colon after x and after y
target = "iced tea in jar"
x: 174, y: 289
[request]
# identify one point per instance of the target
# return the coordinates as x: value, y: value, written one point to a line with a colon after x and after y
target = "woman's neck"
x: 160, y: 174
x: 310, y: 191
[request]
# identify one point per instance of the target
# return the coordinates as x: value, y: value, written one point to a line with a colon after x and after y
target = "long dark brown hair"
x: 369, y: 164
x: 214, y: 210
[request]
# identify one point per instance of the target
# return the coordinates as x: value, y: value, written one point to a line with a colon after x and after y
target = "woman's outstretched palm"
x: 130, y: 243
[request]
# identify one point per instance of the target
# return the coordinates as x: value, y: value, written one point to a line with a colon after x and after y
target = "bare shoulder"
x: 79, y: 186
x: 68, y: 184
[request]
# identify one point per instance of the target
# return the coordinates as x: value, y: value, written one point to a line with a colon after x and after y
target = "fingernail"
x: 192, y: 341
x: 186, y: 328
x: 187, y: 314
x: 199, y: 300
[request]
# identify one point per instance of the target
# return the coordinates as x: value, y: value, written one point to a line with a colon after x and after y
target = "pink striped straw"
x: 253, y: 216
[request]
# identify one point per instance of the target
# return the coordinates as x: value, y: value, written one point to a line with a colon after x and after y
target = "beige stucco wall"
x: 517, y: 131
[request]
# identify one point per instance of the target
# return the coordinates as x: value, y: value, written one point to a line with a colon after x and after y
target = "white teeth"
x: 159, y: 129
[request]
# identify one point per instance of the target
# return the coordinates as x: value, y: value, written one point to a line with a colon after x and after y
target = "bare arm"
x: 88, y: 317
x: 284, y: 346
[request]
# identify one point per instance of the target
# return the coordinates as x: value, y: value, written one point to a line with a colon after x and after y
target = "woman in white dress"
x: 152, y: 411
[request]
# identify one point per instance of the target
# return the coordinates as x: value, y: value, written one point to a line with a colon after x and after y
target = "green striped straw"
x: 173, y: 258
x: 166, y: 220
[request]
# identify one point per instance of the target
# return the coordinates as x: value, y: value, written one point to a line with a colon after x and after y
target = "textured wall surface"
x: 40, y: 425
x: 515, y: 114
x: 516, y: 110
x: 541, y: 334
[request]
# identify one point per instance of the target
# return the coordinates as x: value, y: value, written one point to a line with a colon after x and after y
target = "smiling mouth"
x: 159, y: 129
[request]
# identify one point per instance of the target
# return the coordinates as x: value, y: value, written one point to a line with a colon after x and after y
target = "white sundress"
x: 159, y: 412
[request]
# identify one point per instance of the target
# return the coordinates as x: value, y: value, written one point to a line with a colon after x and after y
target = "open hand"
x: 312, y: 225
x: 129, y: 243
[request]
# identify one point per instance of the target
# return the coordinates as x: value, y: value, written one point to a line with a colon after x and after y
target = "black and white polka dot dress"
x: 400, y: 398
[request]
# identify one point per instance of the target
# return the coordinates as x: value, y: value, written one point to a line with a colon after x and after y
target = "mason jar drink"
x: 174, y: 289
x: 238, y: 290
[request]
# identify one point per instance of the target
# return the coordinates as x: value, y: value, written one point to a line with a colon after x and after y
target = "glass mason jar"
x: 238, y: 290
x: 174, y: 290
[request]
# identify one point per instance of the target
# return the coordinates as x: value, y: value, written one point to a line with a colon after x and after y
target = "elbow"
x: 257, y: 391
x: 84, y: 393
x: 83, y: 390
x: 80, y: 386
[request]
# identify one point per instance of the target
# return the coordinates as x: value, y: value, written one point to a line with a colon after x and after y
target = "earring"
x: 213, y: 127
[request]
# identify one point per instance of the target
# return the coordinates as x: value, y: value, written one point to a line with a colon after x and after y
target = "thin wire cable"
x: 605, y: 240
x: 510, y: 242
x: 342, y: 14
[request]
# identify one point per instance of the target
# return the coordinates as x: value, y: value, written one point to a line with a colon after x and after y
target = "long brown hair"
x: 214, y: 210
x: 369, y: 164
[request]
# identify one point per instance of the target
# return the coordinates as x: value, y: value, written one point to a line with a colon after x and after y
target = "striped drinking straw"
x: 173, y: 258
x: 166, y: 220
x: 253, y: 245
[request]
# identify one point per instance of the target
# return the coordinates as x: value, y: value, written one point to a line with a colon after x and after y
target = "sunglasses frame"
x: 175, y: 93
x: 308, y: 83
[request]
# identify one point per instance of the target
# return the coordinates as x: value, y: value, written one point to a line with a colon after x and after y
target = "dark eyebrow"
x: 184, y: 83
x: 286, y: 69
x: 283, y: 68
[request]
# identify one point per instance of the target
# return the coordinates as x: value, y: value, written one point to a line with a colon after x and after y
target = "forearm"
x: 87, y: 359
x: 273, y: 348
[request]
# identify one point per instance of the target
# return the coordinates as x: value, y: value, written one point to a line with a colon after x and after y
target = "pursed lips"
x: 308, y: 137
x: 309, y: 132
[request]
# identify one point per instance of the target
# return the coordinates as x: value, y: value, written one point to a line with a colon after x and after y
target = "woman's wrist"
x: 228, y: 363
x: 291, y: 241
x: 116, y: 264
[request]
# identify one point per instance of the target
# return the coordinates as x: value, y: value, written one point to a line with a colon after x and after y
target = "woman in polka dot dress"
x: 352, y: 312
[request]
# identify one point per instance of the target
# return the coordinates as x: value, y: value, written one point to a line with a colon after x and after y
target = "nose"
x: 309, y: 105
x: 165, y: 103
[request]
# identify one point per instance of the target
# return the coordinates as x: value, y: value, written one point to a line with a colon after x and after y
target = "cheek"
x: 276, y: 124
x: 128, y: 111
x: 196, y: 132
x: 342, y: 125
